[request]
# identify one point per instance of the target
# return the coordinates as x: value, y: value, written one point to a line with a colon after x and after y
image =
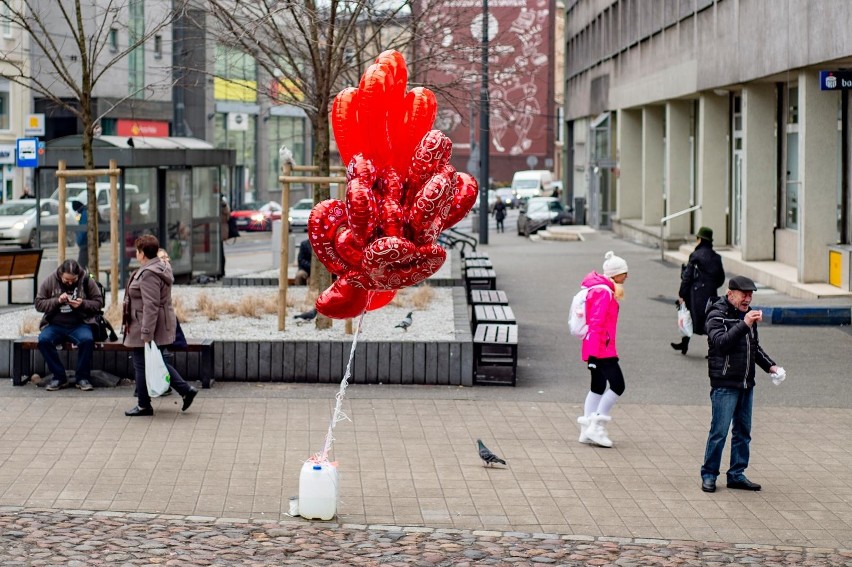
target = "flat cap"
x: 741, y: 283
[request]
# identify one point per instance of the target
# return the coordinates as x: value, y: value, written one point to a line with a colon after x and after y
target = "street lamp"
x: 485, y: 133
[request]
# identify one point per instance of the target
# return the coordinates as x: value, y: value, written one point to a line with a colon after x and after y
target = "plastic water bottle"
x: 318, y: 490
x: 778, y: 376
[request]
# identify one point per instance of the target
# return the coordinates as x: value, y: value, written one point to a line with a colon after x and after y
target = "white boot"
x: 596, y: 431
x: 584, y: 428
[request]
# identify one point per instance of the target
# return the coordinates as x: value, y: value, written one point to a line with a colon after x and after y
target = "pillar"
x: 711, y: 190
x: 819, y: 168
x: 759, y: 173
x: 629, y: 183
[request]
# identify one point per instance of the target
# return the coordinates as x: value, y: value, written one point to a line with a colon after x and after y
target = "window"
x: 6, y: 20
x: 136, y: 56
x: 5, y: 103
x: 792, y: 181
x: 113, y: 40
x: 158, y: 46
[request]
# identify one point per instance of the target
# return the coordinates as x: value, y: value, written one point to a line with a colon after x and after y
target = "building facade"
x: 720, y: 106
x: 15, y: 105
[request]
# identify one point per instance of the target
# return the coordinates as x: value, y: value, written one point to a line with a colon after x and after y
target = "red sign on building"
x: 142, y: 128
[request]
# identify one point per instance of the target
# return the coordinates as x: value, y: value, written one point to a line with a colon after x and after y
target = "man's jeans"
x: 81, y: 335
x: 729, y: 404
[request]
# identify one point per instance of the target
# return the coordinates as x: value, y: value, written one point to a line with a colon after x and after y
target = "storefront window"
x: 791, y: 193
x: 5, y: 102
x: 243, y: 141
x: 283, y: 131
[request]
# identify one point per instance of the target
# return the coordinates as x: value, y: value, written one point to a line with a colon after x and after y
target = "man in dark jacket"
x: 304, y: 261
x: 69, y: 300
x: 700, y: 280
x: 734, y: 350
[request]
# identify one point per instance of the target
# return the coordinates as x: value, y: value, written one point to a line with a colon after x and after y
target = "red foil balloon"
x: 373, y: 102
x: 344, y: 122
x: 345, y: 299
x: 431, y: 206
x: 362, y: 169
x: 420, y: 108
x: 326, y: 218
x: 384, y: 252
x: 423, y: 263
x: 432, y: 153
x: 378, y: 299
x: 362, y: 211
x: 465, y: 196
x: 348, y: 249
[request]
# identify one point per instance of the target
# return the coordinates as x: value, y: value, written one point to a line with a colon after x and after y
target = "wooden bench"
x: 22, y: 361
x: 501, y: 314
x: 20, y: 264
x: 488, y: 297
x: 495, y: 349
x: 474, y: 255
x: 477, y: 263
x: 480, y: 278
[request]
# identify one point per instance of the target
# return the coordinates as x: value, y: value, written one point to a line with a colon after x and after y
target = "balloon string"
x: 338, y: 415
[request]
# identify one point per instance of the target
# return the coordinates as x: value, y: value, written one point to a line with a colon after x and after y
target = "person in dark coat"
x: 700, y: 280
x: 500, y: 214
x: 303, y: 274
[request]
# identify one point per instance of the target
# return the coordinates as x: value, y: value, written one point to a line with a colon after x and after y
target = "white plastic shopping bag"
x: 156, y: 374
x: 684, y: 320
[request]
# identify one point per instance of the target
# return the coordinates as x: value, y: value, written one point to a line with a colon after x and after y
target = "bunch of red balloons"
x: 401, y: 192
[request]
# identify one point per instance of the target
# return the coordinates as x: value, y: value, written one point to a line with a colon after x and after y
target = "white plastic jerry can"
x: 318, y: 490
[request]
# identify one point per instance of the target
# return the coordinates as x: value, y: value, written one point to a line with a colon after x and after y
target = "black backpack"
x: 102, y: 330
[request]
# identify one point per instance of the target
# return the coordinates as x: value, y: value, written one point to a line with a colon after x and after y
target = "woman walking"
x: 599, y: 350
x: 700, y: 279
x: 500, y: 214
x: 149, y: 315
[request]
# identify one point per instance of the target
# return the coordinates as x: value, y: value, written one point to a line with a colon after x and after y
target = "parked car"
x: 18, y: 221
x: 509, y: 197
x: 532, y: 183
x: 272, y: 210
x: 540, y: 212
x: 250, y: 218
x: 299, y: 215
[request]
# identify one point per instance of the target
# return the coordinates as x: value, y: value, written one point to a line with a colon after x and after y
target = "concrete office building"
x: 15, y: 105
x: 720, y: 105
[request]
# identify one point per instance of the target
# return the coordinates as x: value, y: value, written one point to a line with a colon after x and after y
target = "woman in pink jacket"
x: 599, y: 350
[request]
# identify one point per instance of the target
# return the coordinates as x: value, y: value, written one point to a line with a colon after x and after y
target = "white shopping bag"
x: 684, y: 321
x: 156, y: 374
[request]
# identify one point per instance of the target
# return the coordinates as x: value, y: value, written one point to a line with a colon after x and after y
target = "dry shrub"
x: 181, y: 310
x: 249, y: 306
x: 29, y: 326
x: 113, y: 315
x: 205, y: 304
x: 399, y: 299
x: 422, y: 296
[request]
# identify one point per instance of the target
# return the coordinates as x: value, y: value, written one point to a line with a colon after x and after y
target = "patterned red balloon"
x: 326, y: 218
x: 347, y: 248
x: 389, y: 184
x: 362, y: 211
x: 464, y: 197
x: 362, y: 169
x: 432, y: 153
x: 344, y: 299
x: 384, y: 252
x: 423, y: 263
x: 344, y: 121
x: 431, y: 206
x: 392, y: 220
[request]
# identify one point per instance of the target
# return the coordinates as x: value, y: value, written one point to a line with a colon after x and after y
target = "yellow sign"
x: 239, y: 90
x: 835, y: 268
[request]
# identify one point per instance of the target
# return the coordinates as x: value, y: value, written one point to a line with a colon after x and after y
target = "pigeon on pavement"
x: 308, y: 315
x: 405, y: 323
x: 486, y: 455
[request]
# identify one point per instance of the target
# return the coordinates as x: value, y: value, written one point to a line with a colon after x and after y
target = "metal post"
x: 485, y: 133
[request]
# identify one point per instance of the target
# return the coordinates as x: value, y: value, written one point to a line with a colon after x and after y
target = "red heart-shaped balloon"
x: 326, y: 218
x: 431, y: 206
x: 347, y: 248
x: 342, y: 300
x: 423, y: 263
x: 384, y: 252
x: 432, y: 153
x: 362, y: 211
x: 463, y: 199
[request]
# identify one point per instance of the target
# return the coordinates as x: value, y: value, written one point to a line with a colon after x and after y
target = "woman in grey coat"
x: 149, y: 315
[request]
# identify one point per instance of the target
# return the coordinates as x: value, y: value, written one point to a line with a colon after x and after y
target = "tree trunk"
x: 91, y: 194
x: 321, y: 158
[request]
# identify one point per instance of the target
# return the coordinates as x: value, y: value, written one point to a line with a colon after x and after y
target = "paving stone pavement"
x: 86, y: 538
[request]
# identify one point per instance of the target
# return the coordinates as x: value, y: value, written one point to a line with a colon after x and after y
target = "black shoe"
x: 682, y: 346
x: 744, y: 484
x: 708, y: 485
x: 56, y: 384
x: 187, y: 399
x: 139, y: 411
x: 167, y: 392
x: 85, y: 385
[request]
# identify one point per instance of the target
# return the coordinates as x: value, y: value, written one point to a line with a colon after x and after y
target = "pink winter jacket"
x: 601, y: 316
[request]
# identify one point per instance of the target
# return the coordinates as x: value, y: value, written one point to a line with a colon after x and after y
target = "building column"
x: 759, y: 174
x: 818, y: 167
x: 629, y: 182
x: 652, y: 165
x: 678, y: 158
x: 711, y: 193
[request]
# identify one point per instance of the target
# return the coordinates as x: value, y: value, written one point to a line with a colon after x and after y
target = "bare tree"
x: 316, y: 48
x: 77, y: 45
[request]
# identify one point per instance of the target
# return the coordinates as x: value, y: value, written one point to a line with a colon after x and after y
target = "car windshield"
x: 505, y: 193
x: 250, y: 207
x: 544, y: 206
x: 525, y: 184
x: 16, y: 209
x: 304, y: 205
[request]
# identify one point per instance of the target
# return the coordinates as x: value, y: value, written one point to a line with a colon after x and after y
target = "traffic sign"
x: 26, y: 152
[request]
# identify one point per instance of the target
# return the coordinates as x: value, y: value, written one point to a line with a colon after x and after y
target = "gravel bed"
x: 444, y: 272
x: 433, y: 323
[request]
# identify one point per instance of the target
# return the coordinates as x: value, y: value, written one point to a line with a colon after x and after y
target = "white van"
x: 532, y: 183
x: 77, y: 192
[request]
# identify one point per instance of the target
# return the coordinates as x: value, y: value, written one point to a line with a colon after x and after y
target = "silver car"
x: 299, y: 215
x: 18, y: 221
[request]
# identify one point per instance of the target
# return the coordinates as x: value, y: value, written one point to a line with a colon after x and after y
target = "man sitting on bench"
x: 69, y: 300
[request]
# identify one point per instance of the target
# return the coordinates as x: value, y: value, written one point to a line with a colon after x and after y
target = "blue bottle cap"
x: 317, y: 468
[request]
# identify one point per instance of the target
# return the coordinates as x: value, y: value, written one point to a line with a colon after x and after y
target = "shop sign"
x: 7, y: 154
x: 142, y: 128
x: 835, y: 80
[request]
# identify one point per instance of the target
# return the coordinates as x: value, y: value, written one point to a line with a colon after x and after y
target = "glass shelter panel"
x: 206, y: 233
x: 179, y: 220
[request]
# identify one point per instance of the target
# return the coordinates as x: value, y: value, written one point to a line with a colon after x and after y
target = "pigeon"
x: 308, y: 315
x: 486, y: 455
x: 405, y: 323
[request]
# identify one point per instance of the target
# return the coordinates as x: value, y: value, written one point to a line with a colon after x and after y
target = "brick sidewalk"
x: 408, y: 462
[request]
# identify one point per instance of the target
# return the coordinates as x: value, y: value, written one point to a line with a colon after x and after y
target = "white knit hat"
x: 614, y: 265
